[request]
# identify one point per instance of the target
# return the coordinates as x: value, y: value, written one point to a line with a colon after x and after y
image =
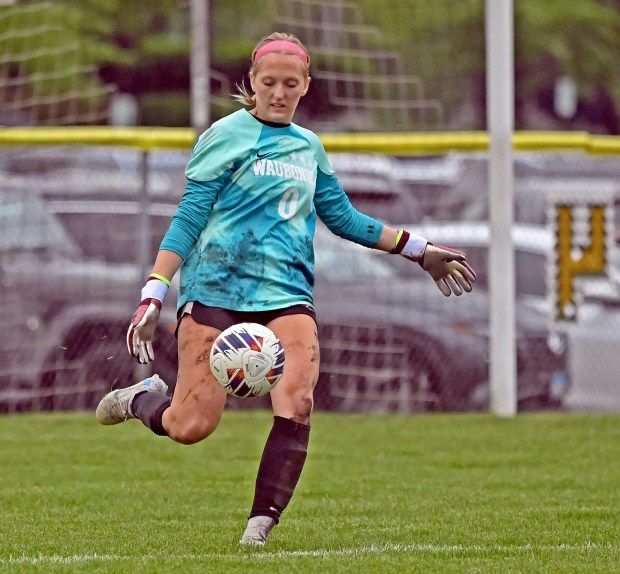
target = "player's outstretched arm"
x: 144, y: 320
x: 447, y: 267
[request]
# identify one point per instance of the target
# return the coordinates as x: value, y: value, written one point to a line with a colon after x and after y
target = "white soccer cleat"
x: 115, y: 407
x: 258, y: 530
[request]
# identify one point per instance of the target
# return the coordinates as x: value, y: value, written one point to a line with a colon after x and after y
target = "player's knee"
x: 190, y: 431
x: 303, y: 409
x: 300, y: 401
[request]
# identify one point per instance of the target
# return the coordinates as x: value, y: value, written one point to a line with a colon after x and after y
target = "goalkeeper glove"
x: 144, y: 320
x: 447, y: 267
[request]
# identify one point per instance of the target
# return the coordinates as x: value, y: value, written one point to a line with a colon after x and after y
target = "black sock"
x: 149, y: 407
x: 280, y: 467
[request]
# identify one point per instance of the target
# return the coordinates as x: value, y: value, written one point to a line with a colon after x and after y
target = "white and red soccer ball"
x: 247, y: 360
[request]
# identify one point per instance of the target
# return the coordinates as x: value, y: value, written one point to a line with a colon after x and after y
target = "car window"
x: 110, y: 231
x: 373, y: 186
x: 114, y: 237
x: 531, y: 270
x: 27, y: 224
x: 388, y: 207
x: 339, y: 260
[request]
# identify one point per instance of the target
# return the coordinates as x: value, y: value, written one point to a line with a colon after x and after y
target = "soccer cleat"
x: 258, y: 530
x: 115, y: 407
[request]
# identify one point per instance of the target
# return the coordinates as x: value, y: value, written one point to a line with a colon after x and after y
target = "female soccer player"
x: 243, y: 238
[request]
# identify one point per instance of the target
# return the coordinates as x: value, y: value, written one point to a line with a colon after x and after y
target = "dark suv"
x: 394, y: 343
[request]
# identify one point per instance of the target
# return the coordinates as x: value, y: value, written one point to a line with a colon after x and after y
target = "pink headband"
x: 281, y: 46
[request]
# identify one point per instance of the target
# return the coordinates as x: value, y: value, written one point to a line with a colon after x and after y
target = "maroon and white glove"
x: 447, y: 267
x: 144, y: 320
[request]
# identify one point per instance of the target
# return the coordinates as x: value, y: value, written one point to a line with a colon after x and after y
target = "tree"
x: 444, y: 43
x: 143, y: 48
x: 50, y: 56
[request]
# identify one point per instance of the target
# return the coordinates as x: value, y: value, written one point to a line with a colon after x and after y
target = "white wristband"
x: 154, y: 289
x: 415, y: 246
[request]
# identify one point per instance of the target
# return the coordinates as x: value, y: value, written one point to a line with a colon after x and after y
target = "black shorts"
x: 223, y: 318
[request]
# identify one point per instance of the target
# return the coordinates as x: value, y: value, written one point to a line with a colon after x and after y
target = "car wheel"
x: 374, y: 369
x: 78, y: 378
x: 432, y: 384
x: 79, y: 382
x: 421, y: 391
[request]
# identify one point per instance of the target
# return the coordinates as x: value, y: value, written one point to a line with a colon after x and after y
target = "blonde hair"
x: 243, y: 95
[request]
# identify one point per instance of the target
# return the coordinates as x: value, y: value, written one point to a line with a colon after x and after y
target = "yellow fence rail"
x: 419, y: 143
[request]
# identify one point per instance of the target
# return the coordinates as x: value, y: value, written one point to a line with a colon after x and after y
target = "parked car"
x: 594, y: 338
x: 392, y: 341
x: 65, y: 314
x: 407, y: 188
x: 374, y: 186
x: 594, y: 358
x: 388, y: 343
x: 533, y: 244
x: 382, y: 348
x: 92, y: 170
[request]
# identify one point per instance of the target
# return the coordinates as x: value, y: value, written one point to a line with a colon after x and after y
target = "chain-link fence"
x: 81, y: 224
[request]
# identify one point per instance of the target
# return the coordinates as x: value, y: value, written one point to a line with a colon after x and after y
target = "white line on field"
x: 440, y: 549
x: 324, y: 553
x: 55, y: 559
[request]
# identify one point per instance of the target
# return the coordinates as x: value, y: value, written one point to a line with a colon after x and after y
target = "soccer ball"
x: 247, y: 360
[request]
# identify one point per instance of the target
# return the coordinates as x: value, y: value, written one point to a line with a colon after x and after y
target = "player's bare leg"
x: 285, y: 451
x: 292, y: 398
x: 198, y: 400
x: 196, y: 407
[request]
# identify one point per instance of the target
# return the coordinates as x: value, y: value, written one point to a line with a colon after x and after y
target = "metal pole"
x: 500, y: 123
x: 144, y: 244
x: 145, y: 257
x: 200, y: 65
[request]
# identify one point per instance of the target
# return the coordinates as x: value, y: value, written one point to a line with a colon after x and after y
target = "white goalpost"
x: 500, y: 125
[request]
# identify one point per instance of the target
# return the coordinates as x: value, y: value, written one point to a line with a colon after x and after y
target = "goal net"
x: 48, y: 74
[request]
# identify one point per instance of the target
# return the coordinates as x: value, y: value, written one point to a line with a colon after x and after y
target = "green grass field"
x: 433, y: 493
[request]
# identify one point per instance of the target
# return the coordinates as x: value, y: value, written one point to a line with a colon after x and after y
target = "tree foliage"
x: 144, y: 47
x: 444, y: 43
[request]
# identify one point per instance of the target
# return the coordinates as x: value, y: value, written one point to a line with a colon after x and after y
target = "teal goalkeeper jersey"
x: 245, y: 226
